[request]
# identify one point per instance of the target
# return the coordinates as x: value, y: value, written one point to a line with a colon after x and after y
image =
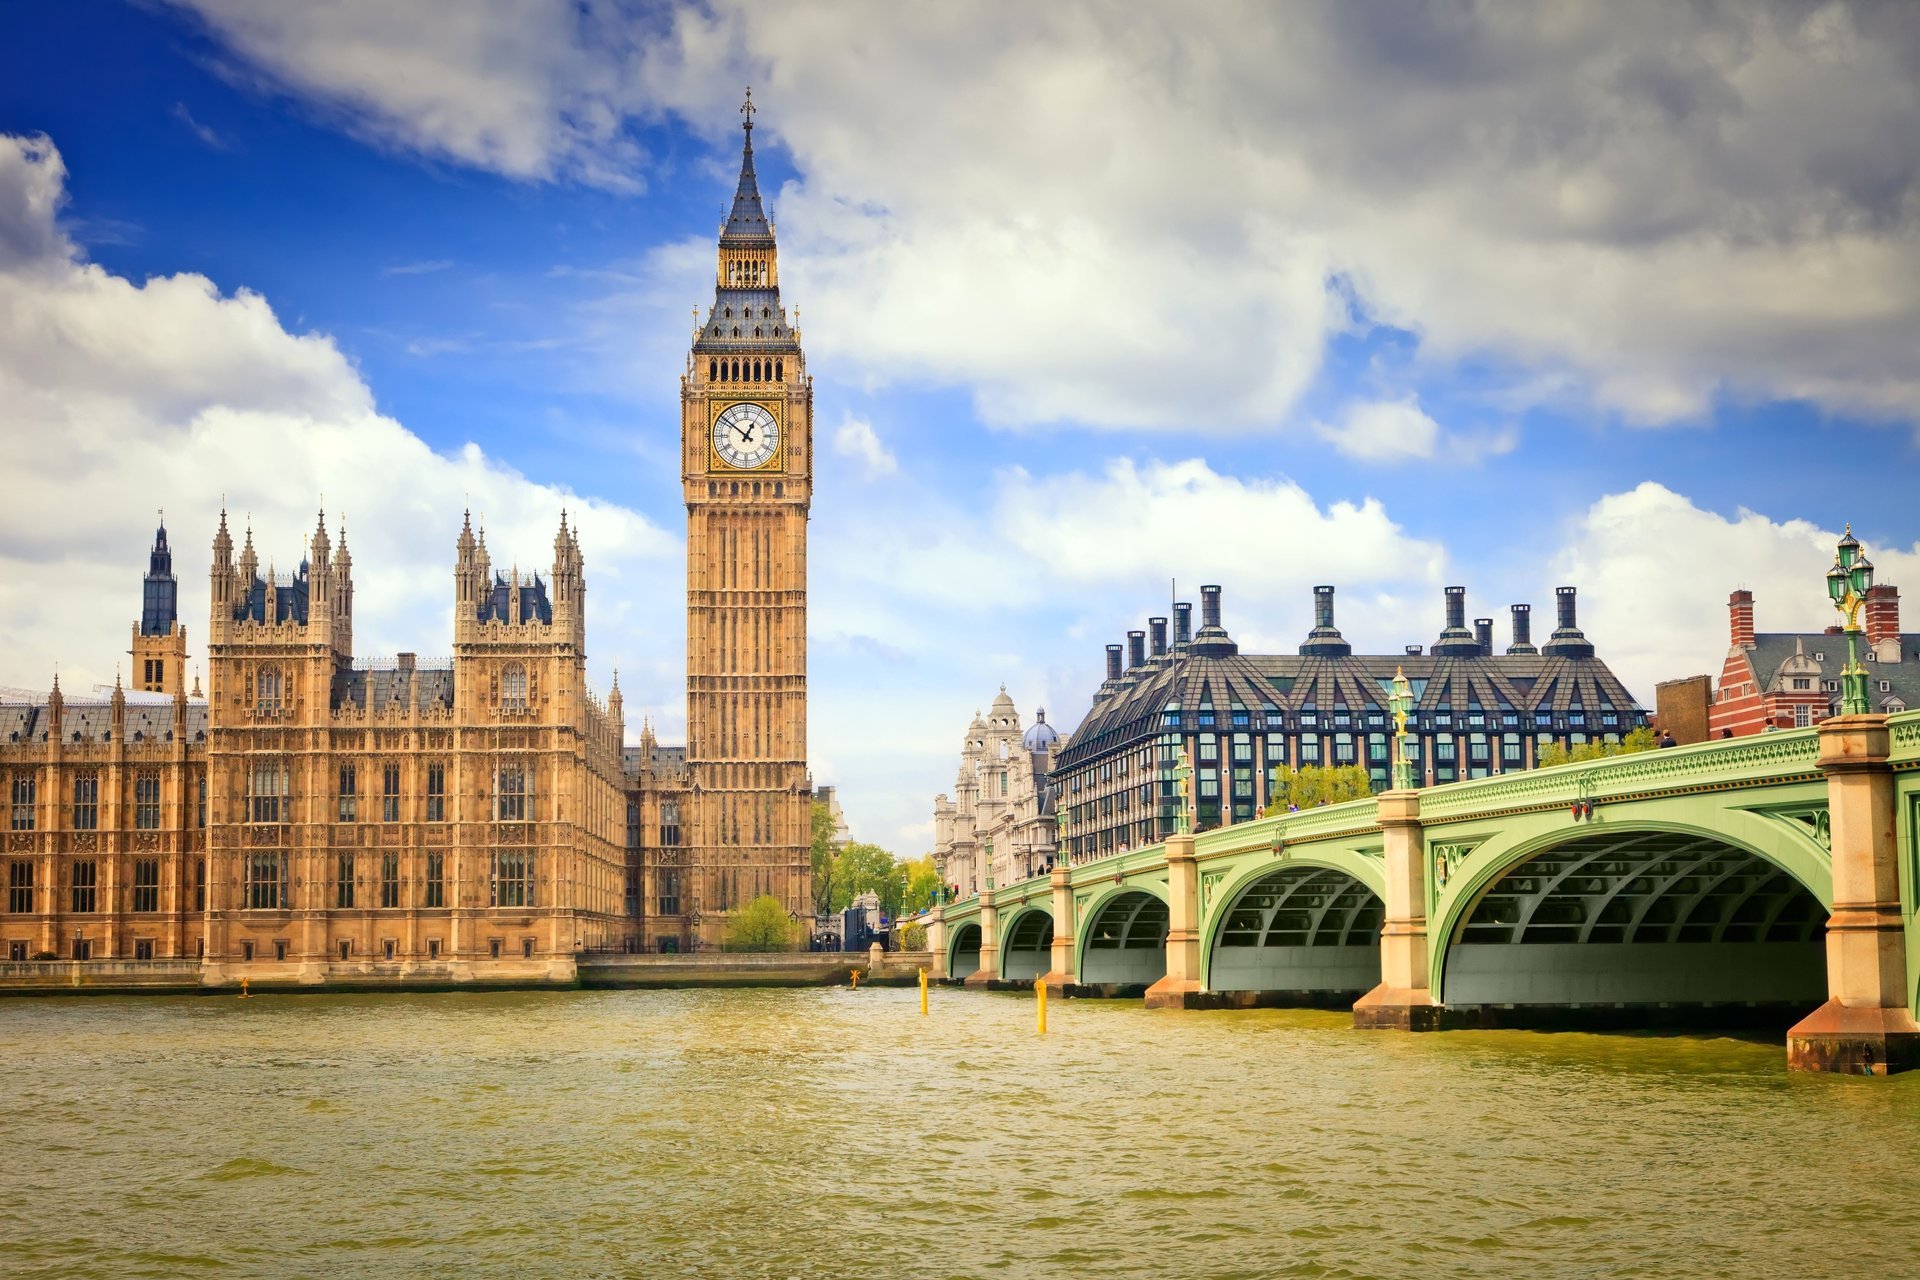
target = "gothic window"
x: 86, y: 801
x: 669, y: 822
x: 20, y: 886
x: 23, y: 793
x: 436, y: 793
x: 389, y: 879
x: 146, y: 800
x: 265, y: 887
x: 85, y: 883
x: 146, y: 884
x: 267, y: 793
x: 436, y: 880
x: 199, y: 884
x: 343, y: 882
x: 202, y: 807
x: 513, y: 688
x: 779, y: 370
x: 349, y: 793
x: 267, y: 691
x: 512, y: 878
x: 512, y: 795
x: 390, y: 793
x: 736, y: 331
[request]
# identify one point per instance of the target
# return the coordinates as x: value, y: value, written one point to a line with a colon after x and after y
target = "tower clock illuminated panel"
x: 746, y: 436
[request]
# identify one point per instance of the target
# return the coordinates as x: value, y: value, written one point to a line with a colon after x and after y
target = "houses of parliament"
x: 319, y: 818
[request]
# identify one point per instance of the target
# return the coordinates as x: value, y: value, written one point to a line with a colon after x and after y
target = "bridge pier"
x: 1060, y: 975
x: 1865, y: 1027
x: 937, y: 942
x: 1403, y: 1001
x: 1183, y: 929
x: 989, y: 970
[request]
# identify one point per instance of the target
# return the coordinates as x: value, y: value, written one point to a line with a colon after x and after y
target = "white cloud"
x: 1127, y: 216
x: 1654, y: 571
x: 857, y: 440
x: 123, y: 398
x: 1383, y: 431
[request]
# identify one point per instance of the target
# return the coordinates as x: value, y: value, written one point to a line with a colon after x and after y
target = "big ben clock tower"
x: 746, y: 428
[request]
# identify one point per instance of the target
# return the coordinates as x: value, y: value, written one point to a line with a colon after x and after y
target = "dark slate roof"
x: 1829, y: 653
x: 662, y: 759
x: 747, y: 221
x: 496, y: 605
x: 746, y: 309
x: 390, y: 686
x: 92, y: 722
x: 1283, y: 685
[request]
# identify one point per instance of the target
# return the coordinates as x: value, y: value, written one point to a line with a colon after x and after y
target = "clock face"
x: 745, y: 436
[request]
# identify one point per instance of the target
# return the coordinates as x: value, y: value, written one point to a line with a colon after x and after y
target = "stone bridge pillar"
x: 1865, y: 1027
x: 1183, y: 929
x: 989, y: 969
x: 936, y: 942
x: 1403, y: 1000
x: 1061, y: 975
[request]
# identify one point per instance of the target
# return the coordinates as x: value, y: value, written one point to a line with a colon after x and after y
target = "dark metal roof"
x: 92, y: 722
x: 1829, y: 653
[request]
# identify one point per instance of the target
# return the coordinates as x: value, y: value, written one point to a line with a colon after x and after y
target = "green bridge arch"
x: 1249, y: 870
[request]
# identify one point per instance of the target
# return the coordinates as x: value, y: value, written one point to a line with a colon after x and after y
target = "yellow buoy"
x: 244, y: 993
x: 923, y: 992
x: 855, y: 974
x: 1040, y: 995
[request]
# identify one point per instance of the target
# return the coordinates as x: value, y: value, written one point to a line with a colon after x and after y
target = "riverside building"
x: 1000, y: 825
x: 1240, y: 716
x: 320, y: 817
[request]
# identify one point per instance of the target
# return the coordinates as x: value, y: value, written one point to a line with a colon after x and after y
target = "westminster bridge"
x: 1737, y: 880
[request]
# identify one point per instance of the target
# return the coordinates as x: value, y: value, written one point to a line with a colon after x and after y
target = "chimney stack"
x: 1157, y: 636
x: 1740, y: 618
x: 1209, y: 607
x: 1455, y: 640
x: 1325, y: 640
x: 1483, y: 635
x: 1456, y: 608
x: 1136, y: 649
x: 1564, y: 604
x: 1522, y: 630
x: 1567, y: 640
x: 1182, y: 625
x: 1883, y: 621
x: 1113, y: 662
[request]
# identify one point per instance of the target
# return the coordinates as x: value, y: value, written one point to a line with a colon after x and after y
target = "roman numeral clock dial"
x: 745, y: 436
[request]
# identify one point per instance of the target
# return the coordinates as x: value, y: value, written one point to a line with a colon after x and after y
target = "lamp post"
x: 1847, y: 583
x: 1060, y: 831
x: 1399, y: 703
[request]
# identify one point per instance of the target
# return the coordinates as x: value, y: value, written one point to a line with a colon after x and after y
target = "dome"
x: 1042, y: 735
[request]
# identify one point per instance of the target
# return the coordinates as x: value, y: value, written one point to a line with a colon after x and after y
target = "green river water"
x: 837, y: 1133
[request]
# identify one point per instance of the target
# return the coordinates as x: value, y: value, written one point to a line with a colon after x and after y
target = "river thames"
x: 837, y: 1133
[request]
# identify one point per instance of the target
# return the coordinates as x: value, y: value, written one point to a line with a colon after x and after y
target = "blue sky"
x: 1106, y: 297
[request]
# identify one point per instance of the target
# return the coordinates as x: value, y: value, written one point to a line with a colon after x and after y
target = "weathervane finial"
x: 747, y: 109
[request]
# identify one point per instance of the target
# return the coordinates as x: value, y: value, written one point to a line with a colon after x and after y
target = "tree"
x: 824, y: 855
x: 923, y: 882
x: 1312, y: 785
x: 1640, y: 739
x: 861, y: 867
x: 763, y: 926
x: 913, y: 937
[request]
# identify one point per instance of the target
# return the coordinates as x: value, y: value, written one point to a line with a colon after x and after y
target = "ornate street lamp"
x: 1183, y: 816
x: 1060, y: 858
x: 1400, y: 702
x: 1847, y: 583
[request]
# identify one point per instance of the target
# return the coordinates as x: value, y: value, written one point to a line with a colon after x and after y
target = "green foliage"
x: 763, y: 926
x: 1312, y: 785
x: 823, y: 859
x: 1640, y: 739
x: 913, y: 937
x: 923, y: 881
x: 861, y: 867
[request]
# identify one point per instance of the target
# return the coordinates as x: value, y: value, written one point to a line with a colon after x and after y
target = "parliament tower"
x: 747, y: 451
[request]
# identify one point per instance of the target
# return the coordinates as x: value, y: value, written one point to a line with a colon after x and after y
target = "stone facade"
x: 1000, y: 825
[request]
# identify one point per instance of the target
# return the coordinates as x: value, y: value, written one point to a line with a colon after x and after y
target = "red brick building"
x: 1787, y: 680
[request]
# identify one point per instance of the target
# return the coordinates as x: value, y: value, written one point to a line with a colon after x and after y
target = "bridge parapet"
x: 1774, y: 757
x: 1903, y: 732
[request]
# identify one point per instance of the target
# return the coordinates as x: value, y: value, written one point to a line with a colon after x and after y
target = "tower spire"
x: 747, y: 222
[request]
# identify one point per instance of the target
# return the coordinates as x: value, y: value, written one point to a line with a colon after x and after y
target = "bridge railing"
x: 1790, y: 754
x: 1905, y: 732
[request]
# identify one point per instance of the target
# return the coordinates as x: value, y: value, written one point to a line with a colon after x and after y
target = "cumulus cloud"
x: 123, y: 398
x: 1623, y: 555
x: 1654, y: 206
x: 856, y: 439
x: 1383, y: 431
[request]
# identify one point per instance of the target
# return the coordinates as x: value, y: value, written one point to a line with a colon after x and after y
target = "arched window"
x: 513, y: 687
x: 713, y: 371
x: 756, y: 363
x: 267, y: 690
x: 779, y: 374
x: 736, y: 331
